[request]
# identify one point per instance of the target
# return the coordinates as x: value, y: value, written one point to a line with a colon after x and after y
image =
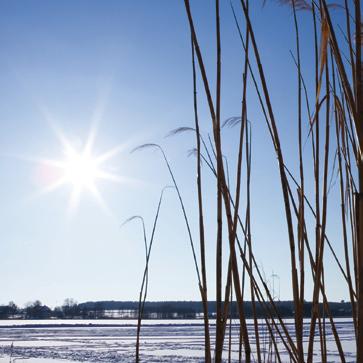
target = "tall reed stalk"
x: 203, y: 287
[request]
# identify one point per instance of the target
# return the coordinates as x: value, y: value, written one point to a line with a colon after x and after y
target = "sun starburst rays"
x: 81, y: 169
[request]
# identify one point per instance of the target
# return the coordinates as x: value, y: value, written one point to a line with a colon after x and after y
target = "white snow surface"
x: 111, y: 341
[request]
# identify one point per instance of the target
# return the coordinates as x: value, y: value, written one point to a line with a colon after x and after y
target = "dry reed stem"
x: 222, y: 182
x: 201, y: 218
x: 284, y: 181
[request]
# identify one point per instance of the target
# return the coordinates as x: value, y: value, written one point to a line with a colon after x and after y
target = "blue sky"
x: 126, y: 67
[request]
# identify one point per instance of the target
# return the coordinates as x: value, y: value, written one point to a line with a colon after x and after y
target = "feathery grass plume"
x: 232, y: 121
x: 194, y: 152
x: 180, y: 130
x: 298, y: 4
x: 303, y: 4
x: 143, y: 228
x: 183, y: 129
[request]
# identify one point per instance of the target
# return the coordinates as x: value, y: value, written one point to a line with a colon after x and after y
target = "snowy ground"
x: 113, y: 341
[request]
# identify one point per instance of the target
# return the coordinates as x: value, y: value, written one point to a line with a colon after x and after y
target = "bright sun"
x: 81, y: 169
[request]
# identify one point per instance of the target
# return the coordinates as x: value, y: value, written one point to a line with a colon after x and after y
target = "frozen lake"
x: 109, y: 341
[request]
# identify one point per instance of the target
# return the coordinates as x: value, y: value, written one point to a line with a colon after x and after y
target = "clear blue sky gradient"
x: 127, y: 66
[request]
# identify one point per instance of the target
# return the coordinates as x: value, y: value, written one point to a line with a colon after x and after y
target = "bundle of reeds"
x: 333, y: 107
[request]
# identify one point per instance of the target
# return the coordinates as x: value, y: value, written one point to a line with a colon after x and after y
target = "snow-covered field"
x: 60, y: 341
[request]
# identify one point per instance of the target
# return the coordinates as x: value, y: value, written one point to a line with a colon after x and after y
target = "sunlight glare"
x: 81, y: 170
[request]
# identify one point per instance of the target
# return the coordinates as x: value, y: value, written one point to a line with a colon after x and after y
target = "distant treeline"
x: 153, y: 310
